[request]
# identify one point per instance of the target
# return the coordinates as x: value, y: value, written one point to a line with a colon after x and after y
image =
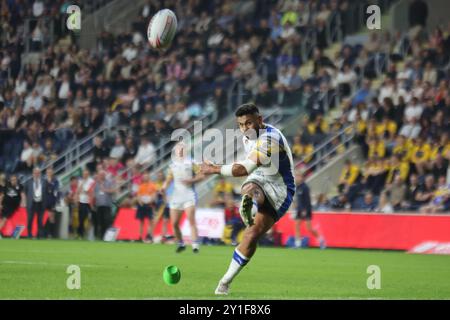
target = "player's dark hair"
x: 245, y: 109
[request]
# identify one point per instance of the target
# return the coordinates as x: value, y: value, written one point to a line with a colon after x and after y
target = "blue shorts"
x: 144, y: 211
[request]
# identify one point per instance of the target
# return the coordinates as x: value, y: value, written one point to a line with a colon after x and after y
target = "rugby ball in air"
x: 162, y: 28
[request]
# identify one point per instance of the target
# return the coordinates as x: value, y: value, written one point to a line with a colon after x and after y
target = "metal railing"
x: 75, y: 155
x: 160, y: 162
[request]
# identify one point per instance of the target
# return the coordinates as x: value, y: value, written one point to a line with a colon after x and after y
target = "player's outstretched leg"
x: 245, y: 250
x: 262, y: 222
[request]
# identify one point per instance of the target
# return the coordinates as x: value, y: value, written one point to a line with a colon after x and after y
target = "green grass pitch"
x: 31, y: 269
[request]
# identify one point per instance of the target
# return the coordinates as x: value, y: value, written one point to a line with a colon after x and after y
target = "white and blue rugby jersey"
x: 277, y: 176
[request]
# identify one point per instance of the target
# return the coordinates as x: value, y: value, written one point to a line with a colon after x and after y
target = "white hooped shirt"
x: 84, y: 187
x: 182, y: 170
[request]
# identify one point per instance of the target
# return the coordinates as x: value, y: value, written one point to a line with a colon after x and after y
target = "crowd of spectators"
x: 402, y: 127
x: 71, y: 92
x: 121, y: 83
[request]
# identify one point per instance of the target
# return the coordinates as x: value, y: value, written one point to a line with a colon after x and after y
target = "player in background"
x: 146, y: 199
x: 184, y: 174
x: 162, y: 207
x: 11, y: 196
x: 269, y: 189
x: 85, y: 199
x: 304, y: 212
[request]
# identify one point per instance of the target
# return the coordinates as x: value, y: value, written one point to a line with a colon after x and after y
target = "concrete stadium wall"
x: 115, y: 17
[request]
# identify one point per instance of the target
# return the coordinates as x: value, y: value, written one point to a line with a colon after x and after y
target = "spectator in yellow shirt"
x: 350, y: 175
x: 436, y: 149
x: 349, y: 182
x: 402, y: 148
x: 421, y: 152
x: 397, y: 167
x: 377, y: 148
x: 360, y: 129
x: 375, y: 175
x: 371, y: 128
x: 318, y: 126
x: 222, y: 189
x: 386, y: 129
x: 302, y: 150
x: 360, y: 125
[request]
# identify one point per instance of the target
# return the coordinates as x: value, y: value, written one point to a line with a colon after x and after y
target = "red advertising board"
x: 129, y: 225
x: 372, y: 230
x: 20, y: 218
x: 341, y: 230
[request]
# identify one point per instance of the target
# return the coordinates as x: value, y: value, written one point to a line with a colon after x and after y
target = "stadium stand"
x: 120, y: 93
x: 402, y: 126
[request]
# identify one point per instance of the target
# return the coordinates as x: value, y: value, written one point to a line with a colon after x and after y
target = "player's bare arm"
x: 237, y: 169
x: 167, y: 182
x: 199, y: 176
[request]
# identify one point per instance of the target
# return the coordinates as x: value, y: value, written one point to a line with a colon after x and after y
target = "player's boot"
x: 180, y: 248
x: 195, y: 247
x: 246, y: 210
x: 222, y: 288
x: 148, y: 239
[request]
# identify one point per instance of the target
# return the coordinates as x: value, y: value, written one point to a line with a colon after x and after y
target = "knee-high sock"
x: 237, y: 263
